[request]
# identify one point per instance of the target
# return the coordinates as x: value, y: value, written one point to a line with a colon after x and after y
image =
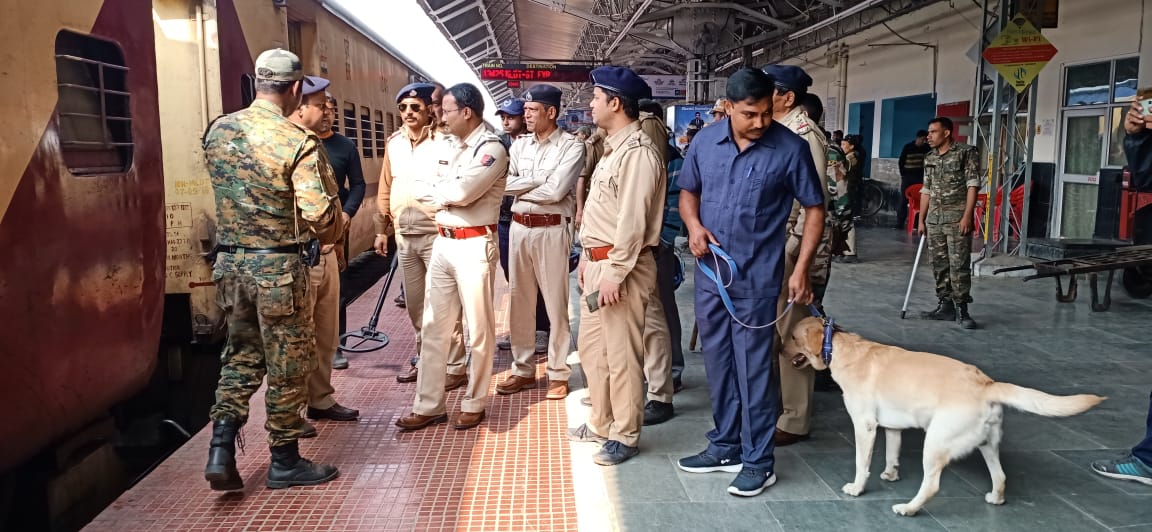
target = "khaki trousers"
x: 460, y: 276
x: 325, y: 298
x: 414, y: 252
x: 657, y: 349
x: 616, y: 374
x: 538, y: 260
x: 795, y: 384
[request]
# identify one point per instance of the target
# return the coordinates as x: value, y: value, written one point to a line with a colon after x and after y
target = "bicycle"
x: 872, y: 199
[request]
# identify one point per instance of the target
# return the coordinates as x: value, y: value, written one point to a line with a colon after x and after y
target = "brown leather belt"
x: 538, y: 220
x: 597, y: 254
x: 460, y: 233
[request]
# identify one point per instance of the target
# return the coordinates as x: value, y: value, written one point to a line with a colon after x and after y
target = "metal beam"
x: 748, y: 13
x: 560, y: 7
x: 627, y: 28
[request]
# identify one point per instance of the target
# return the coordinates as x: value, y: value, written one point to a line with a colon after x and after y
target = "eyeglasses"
x: 415, y: 107
x: 446, y: 111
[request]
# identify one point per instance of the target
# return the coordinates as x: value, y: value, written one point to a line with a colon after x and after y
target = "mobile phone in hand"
x: 593, y: 301
x: 1144, y: 97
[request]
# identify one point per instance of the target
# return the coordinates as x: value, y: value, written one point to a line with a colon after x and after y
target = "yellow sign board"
x: 1019, y: 52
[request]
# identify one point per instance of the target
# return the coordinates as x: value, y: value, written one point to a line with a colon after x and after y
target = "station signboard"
x: 1019, y: 52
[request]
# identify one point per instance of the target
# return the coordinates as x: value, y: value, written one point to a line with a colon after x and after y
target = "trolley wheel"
x: 1138, y: 282
x: 871, y: 198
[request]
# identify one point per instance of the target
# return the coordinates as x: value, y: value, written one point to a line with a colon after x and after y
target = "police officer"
x: 796, y: 384
x: 466, y: 194
x: 618, y: 271
x: 411, y: 154
x: 275, y: 197
x: 951, y: 181
x: 511, y: 116
x: 593, y: 151
x: 542, y: 171
x: 737, y: 187
x: 324, y: 280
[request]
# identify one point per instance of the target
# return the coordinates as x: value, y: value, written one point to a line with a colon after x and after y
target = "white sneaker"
x: 541, y: 341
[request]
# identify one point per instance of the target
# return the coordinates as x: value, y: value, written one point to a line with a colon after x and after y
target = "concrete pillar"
x: 1146, y: 45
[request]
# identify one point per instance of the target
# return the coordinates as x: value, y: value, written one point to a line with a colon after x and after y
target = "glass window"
x: 1124, y: 81
x: 1116, y: 141
x: 1083, y: 142
x: 95, y: 117
x: 1080, y: 202
x: 350, y: 128
x: 365, y: 133
x: 379, y: 125
x: 1088, y: 84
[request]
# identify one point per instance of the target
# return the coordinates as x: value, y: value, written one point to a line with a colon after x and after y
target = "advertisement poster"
x: 685, y: 116
x: 574, y: 118
x: 667, y: 87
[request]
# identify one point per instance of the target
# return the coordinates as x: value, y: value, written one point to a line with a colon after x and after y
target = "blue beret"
x: 789, y: 77
x: 543, y: 93
x: 318, y: 85
x: 622, y: 81
x: 417, y: 90
x: 513, y: 107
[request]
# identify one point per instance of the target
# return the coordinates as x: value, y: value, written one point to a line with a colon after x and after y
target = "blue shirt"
x: 745, y: 199
x: 672, y: 221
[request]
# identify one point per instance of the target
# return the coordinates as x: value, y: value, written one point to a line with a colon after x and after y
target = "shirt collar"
x: 472, y: 137
x: 267, y: 106
x: 762, y: 141
x: 616, y: 139
x: 552, y: 138
x: 426, y: 133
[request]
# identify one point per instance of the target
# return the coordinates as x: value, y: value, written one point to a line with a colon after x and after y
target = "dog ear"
x: 813, y: 336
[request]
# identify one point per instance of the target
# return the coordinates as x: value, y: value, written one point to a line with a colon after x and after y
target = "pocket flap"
x: 284, y: 279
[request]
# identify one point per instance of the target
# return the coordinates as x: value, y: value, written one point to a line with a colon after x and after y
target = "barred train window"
x: 365, y: 132
x: 94, y: 112
x: 350, y: 121
x: 379, y: 124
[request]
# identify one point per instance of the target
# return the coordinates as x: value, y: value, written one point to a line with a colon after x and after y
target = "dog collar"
x: 829, y: 328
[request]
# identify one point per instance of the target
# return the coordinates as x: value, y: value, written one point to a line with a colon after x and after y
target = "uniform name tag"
x: 444, y: 162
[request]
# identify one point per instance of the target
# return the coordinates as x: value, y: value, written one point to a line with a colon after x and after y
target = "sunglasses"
x: 415, y: 107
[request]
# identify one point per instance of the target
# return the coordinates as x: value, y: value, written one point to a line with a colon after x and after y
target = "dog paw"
x: 904, y: 509
x: 891, y: 475
x: 993, y: 498
x: 852, y: 489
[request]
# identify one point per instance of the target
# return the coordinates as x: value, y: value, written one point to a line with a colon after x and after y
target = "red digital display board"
x: 535, y: 72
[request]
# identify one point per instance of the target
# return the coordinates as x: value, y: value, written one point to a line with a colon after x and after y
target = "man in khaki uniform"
x: 593, y: 151
x: 617, y: 274
x: 796, y: 384
x: 542, y: 172
x: 324, y: 279
x: 411, y: 155
x: 466, y: 195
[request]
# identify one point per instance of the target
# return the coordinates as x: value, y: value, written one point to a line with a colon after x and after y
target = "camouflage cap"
x: 280, y: 65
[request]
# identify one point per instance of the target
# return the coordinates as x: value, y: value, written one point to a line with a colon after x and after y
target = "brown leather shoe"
x: 451, y: 382
x: 416, y: 421
x: 467, y: 420
x: 408, y: 377
x: 557, y: 390
x: 783, y: 439
x: 515, y: 383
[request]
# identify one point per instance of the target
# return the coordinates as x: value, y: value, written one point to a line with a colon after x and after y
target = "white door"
x: 1084, y: 134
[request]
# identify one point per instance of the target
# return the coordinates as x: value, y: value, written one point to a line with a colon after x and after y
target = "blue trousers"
x: 744, y: 390
x: 542, y: 323
x: 1143, y: 450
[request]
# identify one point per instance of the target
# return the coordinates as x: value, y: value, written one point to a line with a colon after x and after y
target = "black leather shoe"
x: 308, y: 430
x: 656, y: 412
x: 221, y: 472
x: 614, y: 453
x: 408, y: 377
x: 339, y: 361
x: 289, y: 469
x: 334, y: 412
x: 677, y: 384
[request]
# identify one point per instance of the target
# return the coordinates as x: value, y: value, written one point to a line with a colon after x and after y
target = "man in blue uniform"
x: 738, y: 183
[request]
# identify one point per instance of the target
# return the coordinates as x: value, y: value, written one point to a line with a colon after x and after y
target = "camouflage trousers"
x: 951, y: 256
x: 270, y: 332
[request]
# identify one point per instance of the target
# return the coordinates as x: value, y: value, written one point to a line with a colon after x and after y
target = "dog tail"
x: 1038, y: 402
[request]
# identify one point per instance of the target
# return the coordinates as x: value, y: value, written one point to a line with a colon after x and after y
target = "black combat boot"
x: 945, y: 311
x: 289, y: 469
x: 221, y: 471
x: 962, y: 316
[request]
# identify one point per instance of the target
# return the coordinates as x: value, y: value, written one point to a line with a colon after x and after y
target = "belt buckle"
x: 449, y: 232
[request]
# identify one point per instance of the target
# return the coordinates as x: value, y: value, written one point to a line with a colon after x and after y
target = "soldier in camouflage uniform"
x: 274, y: 193
x: 796, y: 385
x: 951, y: 180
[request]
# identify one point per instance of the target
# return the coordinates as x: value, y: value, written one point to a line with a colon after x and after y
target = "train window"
x: 365, y: 133
x: 379, y: 124
x: 247, y: 89
x: 391, y: 124
x: 94, y: 111
x: 350, y: 121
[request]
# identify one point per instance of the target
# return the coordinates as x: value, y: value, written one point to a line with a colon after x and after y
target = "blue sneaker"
x: 614, y: 453
x: 751, y: 482
x: 1127, y: 467
x: 706, y: 463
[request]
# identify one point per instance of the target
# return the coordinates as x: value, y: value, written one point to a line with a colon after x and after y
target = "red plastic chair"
x: 912, y: 194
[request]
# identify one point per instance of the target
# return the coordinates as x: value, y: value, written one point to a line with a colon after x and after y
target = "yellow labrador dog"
x: 957, y: 405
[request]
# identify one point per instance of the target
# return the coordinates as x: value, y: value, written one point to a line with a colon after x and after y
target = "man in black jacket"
x: 345, y: 160
x: 911, y: 165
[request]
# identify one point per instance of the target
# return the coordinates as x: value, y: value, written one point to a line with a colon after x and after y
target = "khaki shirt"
x: 625, y: 205
x: 469, y: 180
x: 797, y: 120
x: 653, y: 126
x: 406, y: 159
x: 947, y: 178
x: 542, y: 174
